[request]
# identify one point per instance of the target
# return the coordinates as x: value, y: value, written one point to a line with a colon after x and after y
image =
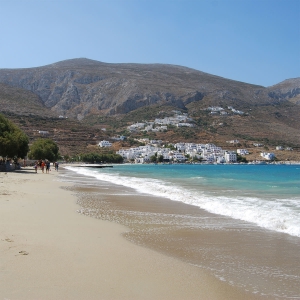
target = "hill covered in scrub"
x: 99, y: 100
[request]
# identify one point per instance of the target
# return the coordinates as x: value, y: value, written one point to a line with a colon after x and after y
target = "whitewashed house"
x: 230, y: 157
x: 185, y: 125
x: 220, y: 159
x: 177, y: 156
x: 268, y: 155
x: 43, y: 132
x: 149, y: 128
x: 215, y: 108
x: 136, y: 126
x: 180, y: 146
x: 104, y: 144
x: 242, y: 151
x: 233, y: 142
x: 210, y: 158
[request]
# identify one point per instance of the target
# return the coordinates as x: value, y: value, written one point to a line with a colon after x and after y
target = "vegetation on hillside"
x: 13, y: 141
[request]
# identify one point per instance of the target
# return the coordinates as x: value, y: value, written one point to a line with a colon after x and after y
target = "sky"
x: 253, y: 41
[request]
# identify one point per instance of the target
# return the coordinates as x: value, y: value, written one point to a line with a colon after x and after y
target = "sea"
x: 239, y: 222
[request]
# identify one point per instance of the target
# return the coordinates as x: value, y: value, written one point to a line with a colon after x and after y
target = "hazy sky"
x: 254, y: 41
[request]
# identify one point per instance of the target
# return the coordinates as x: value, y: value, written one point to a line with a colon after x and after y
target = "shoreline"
x: 257, y: 162
x: 50, y: 251
x: 238, y: 252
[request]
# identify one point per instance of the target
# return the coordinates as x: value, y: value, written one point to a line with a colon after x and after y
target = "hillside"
x: 95, y: 96
x: 22, y: 102
x: 79, y: 87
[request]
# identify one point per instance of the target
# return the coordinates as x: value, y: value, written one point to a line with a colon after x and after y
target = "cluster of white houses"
x: 179, y: 120
x: 214, y: 110
x: 206, y: 152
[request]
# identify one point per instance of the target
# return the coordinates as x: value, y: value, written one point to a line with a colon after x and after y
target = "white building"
x: 221, y: 159
x: 104, y: 144
x: 119, y: 138
x: 215, y: 108
x: 267, y: 155
x: 230, y: 157
x: 42, y: 132
x: 149, y: 128
x: 242, y: 151
x: 180, y: 146
x: 185, y: 125
x: 233, y: 142
x: 177, y: 156
x: 235, y: 111
x: 136, y: 126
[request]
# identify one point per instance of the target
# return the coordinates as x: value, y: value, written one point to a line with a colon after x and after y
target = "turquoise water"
x: 266, y: 195
x: 282, y: 180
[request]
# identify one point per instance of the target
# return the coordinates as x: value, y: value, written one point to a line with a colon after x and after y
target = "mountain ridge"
x: 89, y: 92
x: 78, y: 87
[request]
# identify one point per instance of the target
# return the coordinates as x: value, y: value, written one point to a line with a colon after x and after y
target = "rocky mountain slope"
x: 94, y: 95
x: 79, y: 87
x: 22, y: 101
x: 286, y: 90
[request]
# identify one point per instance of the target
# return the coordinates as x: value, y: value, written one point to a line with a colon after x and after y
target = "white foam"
x: 276, y: 214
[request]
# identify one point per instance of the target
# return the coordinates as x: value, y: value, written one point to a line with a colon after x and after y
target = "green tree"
x: 98, y: 158
x: 241, y: 159
x: 160, y: 158
x: 44, y: 149
x: 13, y: 141
x: 66, y: 157
x: 153, y: 158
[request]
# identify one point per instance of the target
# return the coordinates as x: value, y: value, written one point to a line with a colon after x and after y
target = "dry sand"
x: 49, y: 251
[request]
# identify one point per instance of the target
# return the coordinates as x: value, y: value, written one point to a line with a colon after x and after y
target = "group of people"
x: 44, y: 164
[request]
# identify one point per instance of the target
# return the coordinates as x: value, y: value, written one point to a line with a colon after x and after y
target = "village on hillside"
x: 160, y: 151
x: 156, y: 150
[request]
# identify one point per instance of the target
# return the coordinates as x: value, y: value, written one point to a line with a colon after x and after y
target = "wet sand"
x: 50, y: 251
x: 250, y: 258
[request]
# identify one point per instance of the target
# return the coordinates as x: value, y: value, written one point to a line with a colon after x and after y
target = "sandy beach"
x: 50, y: 251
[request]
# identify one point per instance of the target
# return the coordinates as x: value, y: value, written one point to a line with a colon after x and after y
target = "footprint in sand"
x: 9, y: 240
x: 23, y: 252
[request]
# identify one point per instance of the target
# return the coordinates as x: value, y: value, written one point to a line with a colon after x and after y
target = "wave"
x: 276, y: 214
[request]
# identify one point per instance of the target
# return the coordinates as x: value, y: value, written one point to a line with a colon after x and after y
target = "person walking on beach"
x: 56, y: 166
x: 47, y: 166
x: 43, y: 166
x: 36, y: 166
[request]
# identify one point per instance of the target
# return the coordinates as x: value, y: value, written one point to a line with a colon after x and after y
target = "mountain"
x: 79, y: 87
x: 287, y: 90
x: 114, y: 95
